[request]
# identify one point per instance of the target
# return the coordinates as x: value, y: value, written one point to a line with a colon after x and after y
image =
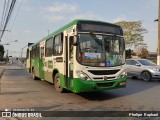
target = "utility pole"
x: 22, y: 54
x: 158, y: 53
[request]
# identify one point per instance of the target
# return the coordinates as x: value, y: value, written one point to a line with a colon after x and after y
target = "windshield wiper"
x: 95, y: 38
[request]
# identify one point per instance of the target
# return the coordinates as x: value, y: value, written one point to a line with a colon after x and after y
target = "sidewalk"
x: 10, y: 66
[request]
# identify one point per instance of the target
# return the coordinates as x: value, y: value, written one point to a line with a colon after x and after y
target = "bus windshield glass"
x: 100, y: 50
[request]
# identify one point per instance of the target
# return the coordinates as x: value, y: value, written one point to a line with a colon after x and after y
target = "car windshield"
x: 100, y: 50
x: 146, y: 62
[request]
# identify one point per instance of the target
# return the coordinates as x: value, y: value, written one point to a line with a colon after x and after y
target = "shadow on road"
x: 97, y: 96
x: 134, y: 86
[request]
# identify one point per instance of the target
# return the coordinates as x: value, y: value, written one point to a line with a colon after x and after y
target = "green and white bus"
x: 82, y: 56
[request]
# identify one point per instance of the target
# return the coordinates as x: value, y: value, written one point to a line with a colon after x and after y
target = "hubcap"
x: 146, y: 76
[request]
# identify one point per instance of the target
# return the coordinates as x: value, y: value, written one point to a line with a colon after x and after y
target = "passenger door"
x: 28, y: 62
x: 59, y: 57
x: 132, y: 68
x: 68, y: 69
x: 48, y: 61
x: 42, y: 60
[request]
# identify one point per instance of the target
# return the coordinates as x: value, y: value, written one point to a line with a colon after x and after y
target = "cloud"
x: 60, y: 7
x: 58, y: 11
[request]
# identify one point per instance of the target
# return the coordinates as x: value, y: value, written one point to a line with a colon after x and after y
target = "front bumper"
x: 156, y: 75
x: 88, y: 86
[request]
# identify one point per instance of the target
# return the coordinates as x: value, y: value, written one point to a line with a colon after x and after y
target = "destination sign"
x: 100, y: 27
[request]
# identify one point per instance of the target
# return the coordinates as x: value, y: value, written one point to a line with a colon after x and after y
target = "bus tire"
x: 57, y: 85
x: 33, y: 75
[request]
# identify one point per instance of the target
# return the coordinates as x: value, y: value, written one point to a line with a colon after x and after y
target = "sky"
x: 36, y: 18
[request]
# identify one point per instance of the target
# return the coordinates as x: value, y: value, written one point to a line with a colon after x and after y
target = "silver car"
x: 143, y: 68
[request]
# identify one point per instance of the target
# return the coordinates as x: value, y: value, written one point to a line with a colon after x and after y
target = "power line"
x: 8, y: 17
x: 3, y: 14
x: 17, y: 13
x: 5, y: 11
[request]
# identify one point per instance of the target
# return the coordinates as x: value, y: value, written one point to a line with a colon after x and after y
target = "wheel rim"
x: 146, y: 76
x: 57, y: 83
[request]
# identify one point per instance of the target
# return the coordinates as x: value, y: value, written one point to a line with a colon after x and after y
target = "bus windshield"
x: 100, y: 50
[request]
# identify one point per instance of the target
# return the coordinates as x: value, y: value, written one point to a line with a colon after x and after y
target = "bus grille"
x: 105, y: 84
x: 102, y: 78
x: 103, y: 72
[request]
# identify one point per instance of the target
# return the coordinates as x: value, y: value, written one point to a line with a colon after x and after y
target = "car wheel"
x: 57, y: 84
x: 146, y: 76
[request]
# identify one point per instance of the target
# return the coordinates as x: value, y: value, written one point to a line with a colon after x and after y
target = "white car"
x: 143, y: 68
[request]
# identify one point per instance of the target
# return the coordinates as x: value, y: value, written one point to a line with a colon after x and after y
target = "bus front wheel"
x: 33, y: 75
x: 57, y: 84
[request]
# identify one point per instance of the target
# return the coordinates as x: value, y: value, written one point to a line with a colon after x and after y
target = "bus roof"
x: 65, y: 27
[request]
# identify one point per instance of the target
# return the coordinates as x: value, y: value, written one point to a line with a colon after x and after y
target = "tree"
x: 133, y: 32
x: 128, y: 53
x: 142, y: 52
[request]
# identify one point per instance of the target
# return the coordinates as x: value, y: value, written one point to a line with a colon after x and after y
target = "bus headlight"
x: 83, y: 76
x: 123, y: 74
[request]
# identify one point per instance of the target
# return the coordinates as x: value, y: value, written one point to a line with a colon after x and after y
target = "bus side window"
x: 58, y: 45
x: 49, y: 47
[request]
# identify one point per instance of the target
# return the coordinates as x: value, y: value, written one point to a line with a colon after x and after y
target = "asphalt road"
x: 18, y: 90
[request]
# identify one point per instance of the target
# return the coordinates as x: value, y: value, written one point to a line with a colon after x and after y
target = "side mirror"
x: 73, y: 40
x: 137, y: 65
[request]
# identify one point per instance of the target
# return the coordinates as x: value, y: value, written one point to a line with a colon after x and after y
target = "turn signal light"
x: 122, y: 83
